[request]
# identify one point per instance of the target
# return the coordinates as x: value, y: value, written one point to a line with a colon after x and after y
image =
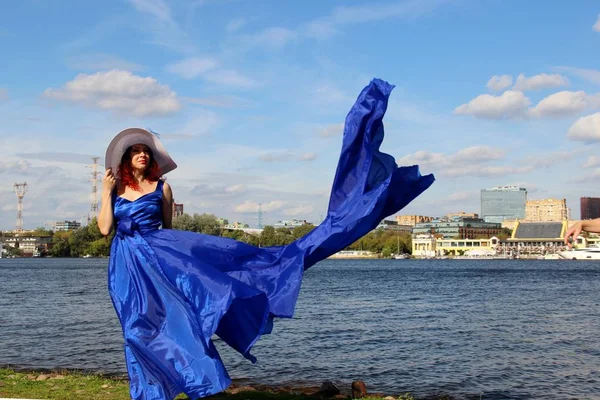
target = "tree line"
x: 88, y: 241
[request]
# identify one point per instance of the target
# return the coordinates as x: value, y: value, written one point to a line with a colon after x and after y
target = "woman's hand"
x: 109, y: 181
x: 572, y: 234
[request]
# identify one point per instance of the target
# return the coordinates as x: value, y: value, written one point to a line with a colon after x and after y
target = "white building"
x: 66, y: 226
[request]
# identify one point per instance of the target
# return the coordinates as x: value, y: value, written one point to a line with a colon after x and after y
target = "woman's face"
x: 141, y: 156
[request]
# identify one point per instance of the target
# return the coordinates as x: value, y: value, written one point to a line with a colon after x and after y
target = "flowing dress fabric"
x: 173, y: 290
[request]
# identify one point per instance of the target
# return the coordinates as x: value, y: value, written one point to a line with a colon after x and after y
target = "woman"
x: 172, y: 290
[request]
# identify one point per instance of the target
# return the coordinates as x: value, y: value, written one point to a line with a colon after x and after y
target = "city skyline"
x: 250, y: 99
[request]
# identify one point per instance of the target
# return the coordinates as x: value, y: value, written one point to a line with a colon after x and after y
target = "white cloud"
x: 485, y: 171
x: 14, y: 166
x: 586, y: 129
x: 157, y: 8
x: 469, y: 155
x: 541, y: 81
x: 238, y: 188
x: 235, y: 25
x: 561, y: 104
x: 3, y: 94
x: 230, y: 78
x: 498, y: 83
x: 101, y: 62
x: 276, y: 156
x: 299, y: 210
x: 326, y: 26
x: 203, y: 123
x: 423, y: 158
x: 192, y: 67
x: 63, y: 157
x: 459, y: 199
x: 119, y: 91
x: 476, y: 154
x: 331, y: 130
x: 596, y: 26
x: 220, y: 101
x: 208, y: 69
x: 548, y: 160
x: 590, y: 75
x: 164, y: 29
x: 511, y: 104
x: 328, y: 94
x: 471, y: 161
x: 251, y: 206
x: 308, y: 157
x: 274, y: 37
x: 592, y: 162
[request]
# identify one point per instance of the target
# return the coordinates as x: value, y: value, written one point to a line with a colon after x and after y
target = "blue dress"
x: 173, y: 290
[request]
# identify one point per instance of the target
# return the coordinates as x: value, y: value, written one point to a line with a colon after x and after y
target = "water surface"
x: 490, y: 329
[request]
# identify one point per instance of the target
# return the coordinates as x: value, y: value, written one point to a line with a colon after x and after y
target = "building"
x: 63, y: 226
x: 428, y: 246
x: 590, y: 207
x: 503, y: 202
x: 389, y: 225
x: 177, y: 209
x: 458, y: 228
x: 29, y: 244
x: 412, y: 220
x: 535, y: 238
x: 222, y: 221
x: 546, y: 210
x: 290, y: 224
x: 462, y: 214
x: 236, y: 225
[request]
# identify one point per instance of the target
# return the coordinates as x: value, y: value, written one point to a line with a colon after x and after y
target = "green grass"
x: 67, y: 385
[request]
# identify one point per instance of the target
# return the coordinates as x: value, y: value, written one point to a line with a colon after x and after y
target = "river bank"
x: 73, y: 385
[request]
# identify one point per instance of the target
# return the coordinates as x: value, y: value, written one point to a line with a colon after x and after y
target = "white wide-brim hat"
x: 128, y: 137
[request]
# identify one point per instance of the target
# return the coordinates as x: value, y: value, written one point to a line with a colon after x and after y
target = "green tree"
x: 60, y: 244
x: 302, y: 230
x: 80, y: 240
x: 99, y: 248
x: 13, y: 251
x: 386, y: 252
x: 41, y: 231
x: 268, y: 236
x: 184, y: 222
x: 207, y: 224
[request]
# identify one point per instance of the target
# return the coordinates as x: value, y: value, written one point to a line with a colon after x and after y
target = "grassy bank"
x: 68, y: 385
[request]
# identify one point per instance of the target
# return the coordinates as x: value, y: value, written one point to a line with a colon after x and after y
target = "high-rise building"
x: 412, y: 220
x: 546, y: 210
x: 177, y: 209
x: 503, y: 202
x: 590, y: 207
x: 63, y: 226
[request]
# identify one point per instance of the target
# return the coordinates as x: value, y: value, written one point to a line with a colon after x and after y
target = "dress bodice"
x: 143, y: 214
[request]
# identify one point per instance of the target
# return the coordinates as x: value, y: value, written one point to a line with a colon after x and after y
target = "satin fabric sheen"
x: 173, y: 290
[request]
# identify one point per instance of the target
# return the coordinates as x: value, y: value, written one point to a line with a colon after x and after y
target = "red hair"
x: 152, y: 173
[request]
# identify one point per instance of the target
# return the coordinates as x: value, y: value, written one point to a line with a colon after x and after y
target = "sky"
x: 250, y: 97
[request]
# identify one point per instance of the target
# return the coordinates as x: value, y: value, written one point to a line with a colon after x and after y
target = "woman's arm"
x: 167, y: 207
x: 105, y: 217
x: 589, y: 225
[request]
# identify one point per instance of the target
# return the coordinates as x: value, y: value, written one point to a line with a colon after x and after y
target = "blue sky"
x: 250, y: 96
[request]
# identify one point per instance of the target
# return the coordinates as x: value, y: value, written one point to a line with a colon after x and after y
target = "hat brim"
x: 128, y: 137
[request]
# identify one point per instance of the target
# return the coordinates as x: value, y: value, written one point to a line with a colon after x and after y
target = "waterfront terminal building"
x: 458, y: 228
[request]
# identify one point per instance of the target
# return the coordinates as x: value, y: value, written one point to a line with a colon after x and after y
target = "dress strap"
x: 159, y: 186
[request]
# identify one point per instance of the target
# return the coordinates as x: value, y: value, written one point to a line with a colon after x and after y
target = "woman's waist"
x: 128, y: 226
